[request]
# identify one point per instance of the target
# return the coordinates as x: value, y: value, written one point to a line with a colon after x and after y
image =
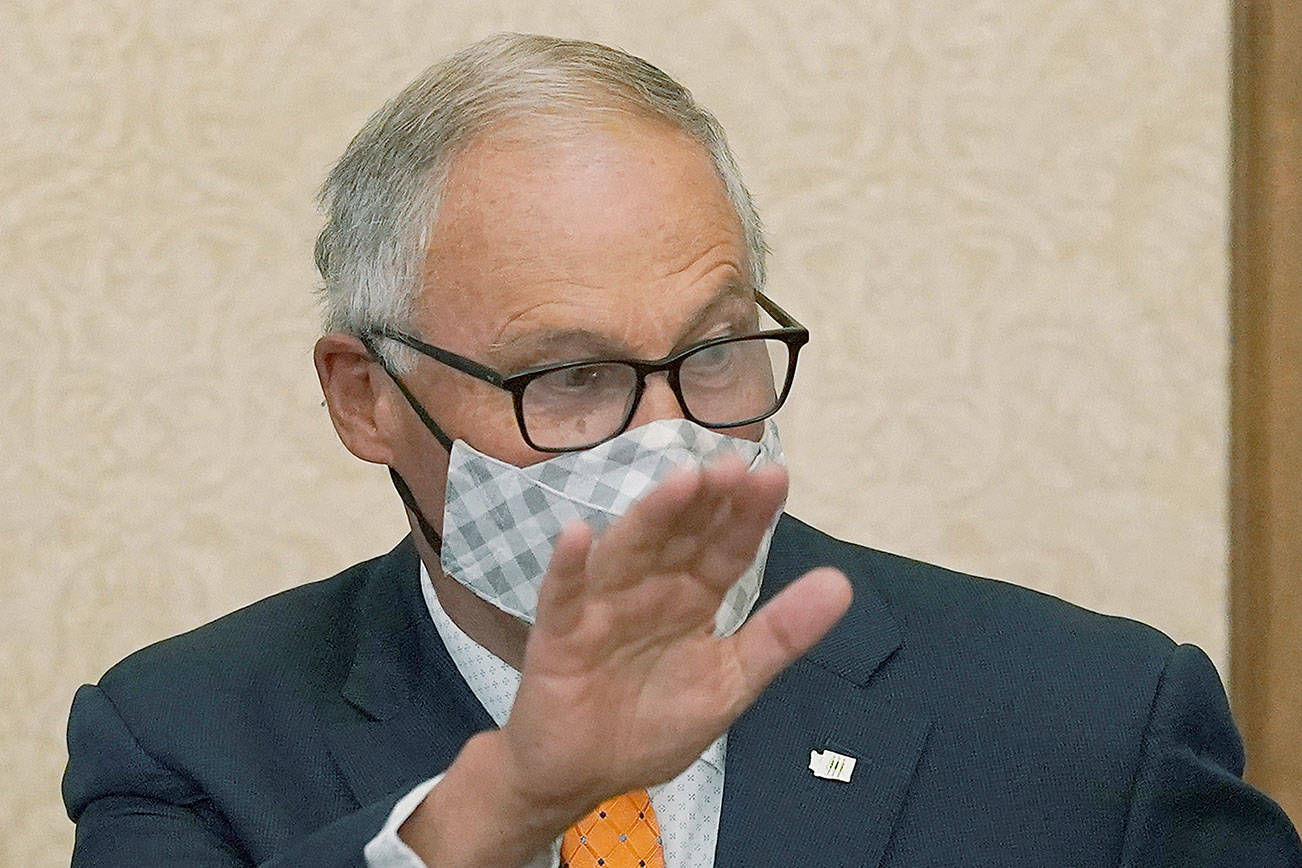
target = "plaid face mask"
x: 500, y: 522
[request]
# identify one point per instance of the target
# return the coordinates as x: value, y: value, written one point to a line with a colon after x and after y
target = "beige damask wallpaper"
x: 1004, y: 221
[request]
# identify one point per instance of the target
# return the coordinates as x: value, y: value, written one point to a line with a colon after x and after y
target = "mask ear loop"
x: 432, y: 537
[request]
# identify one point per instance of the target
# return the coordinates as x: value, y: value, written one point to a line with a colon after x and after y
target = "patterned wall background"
x: 1004, y: 222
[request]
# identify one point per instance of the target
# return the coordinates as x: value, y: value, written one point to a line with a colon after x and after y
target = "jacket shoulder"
x: 972, y: 649
x: 302, y: 635
x: 931, y: 602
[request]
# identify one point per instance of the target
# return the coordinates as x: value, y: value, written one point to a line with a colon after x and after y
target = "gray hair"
x: 382, y: 196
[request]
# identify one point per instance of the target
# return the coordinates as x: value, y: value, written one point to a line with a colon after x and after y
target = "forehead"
x: 613, y: 220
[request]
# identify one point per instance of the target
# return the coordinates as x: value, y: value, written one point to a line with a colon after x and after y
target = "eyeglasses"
x: 723, y: 382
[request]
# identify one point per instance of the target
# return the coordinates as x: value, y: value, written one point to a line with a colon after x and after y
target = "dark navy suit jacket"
x: 992, y: 726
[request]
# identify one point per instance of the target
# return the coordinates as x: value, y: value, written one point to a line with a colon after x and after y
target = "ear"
x: 356, y: 392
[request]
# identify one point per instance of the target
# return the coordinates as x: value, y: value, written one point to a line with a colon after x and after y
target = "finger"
x: 720, y: 481
x: 753, y: 506
x: 565, y: 578
x: 658, y: 530
x: 788, y: 626
x: 712, y: 534
x: 655, y: 513
x: 691, y: 531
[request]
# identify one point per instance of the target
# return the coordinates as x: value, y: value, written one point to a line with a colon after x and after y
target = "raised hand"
x: 623, y: 683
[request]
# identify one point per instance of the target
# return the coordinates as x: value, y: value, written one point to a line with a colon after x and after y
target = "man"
x: 544, y: 289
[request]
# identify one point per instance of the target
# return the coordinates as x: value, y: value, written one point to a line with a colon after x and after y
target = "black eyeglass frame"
x: 789, y: 331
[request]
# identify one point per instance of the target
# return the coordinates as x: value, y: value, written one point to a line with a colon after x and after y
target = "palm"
x: 623, y: 682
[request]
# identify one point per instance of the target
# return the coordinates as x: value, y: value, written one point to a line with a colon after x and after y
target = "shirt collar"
x: 493, y: 681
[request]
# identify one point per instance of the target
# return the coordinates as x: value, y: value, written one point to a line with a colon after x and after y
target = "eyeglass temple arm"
x: 780, y: 316
x: 451, y: 359
x: 444, y: 440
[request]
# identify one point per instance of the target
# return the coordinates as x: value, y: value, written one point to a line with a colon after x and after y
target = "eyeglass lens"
x: 720, y: 384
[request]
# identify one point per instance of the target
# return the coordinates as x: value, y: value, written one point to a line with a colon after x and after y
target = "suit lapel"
x: 417, y: 712
x: 416, y: 709
x: 775, y: 811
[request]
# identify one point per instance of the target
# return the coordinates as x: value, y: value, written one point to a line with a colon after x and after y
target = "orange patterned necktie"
x: 619, y: 833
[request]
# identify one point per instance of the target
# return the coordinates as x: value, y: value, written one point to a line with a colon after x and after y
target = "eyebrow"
x: 576, y: 343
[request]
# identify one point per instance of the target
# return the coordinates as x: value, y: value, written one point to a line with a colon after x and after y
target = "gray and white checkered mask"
x: 501, y: 522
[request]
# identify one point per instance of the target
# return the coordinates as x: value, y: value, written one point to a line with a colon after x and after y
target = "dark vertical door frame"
x: 1266, y: 395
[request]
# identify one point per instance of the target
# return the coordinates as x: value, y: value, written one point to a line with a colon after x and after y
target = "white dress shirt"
x: 687, y: 807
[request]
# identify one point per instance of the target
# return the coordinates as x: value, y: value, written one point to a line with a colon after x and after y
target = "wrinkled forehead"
x: 596, y: 219
x: 567, y: 156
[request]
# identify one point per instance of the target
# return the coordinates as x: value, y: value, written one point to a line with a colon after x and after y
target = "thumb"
x: 789, y: 625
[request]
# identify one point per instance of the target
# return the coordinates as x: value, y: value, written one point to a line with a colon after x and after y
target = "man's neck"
x: 501, y: 634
